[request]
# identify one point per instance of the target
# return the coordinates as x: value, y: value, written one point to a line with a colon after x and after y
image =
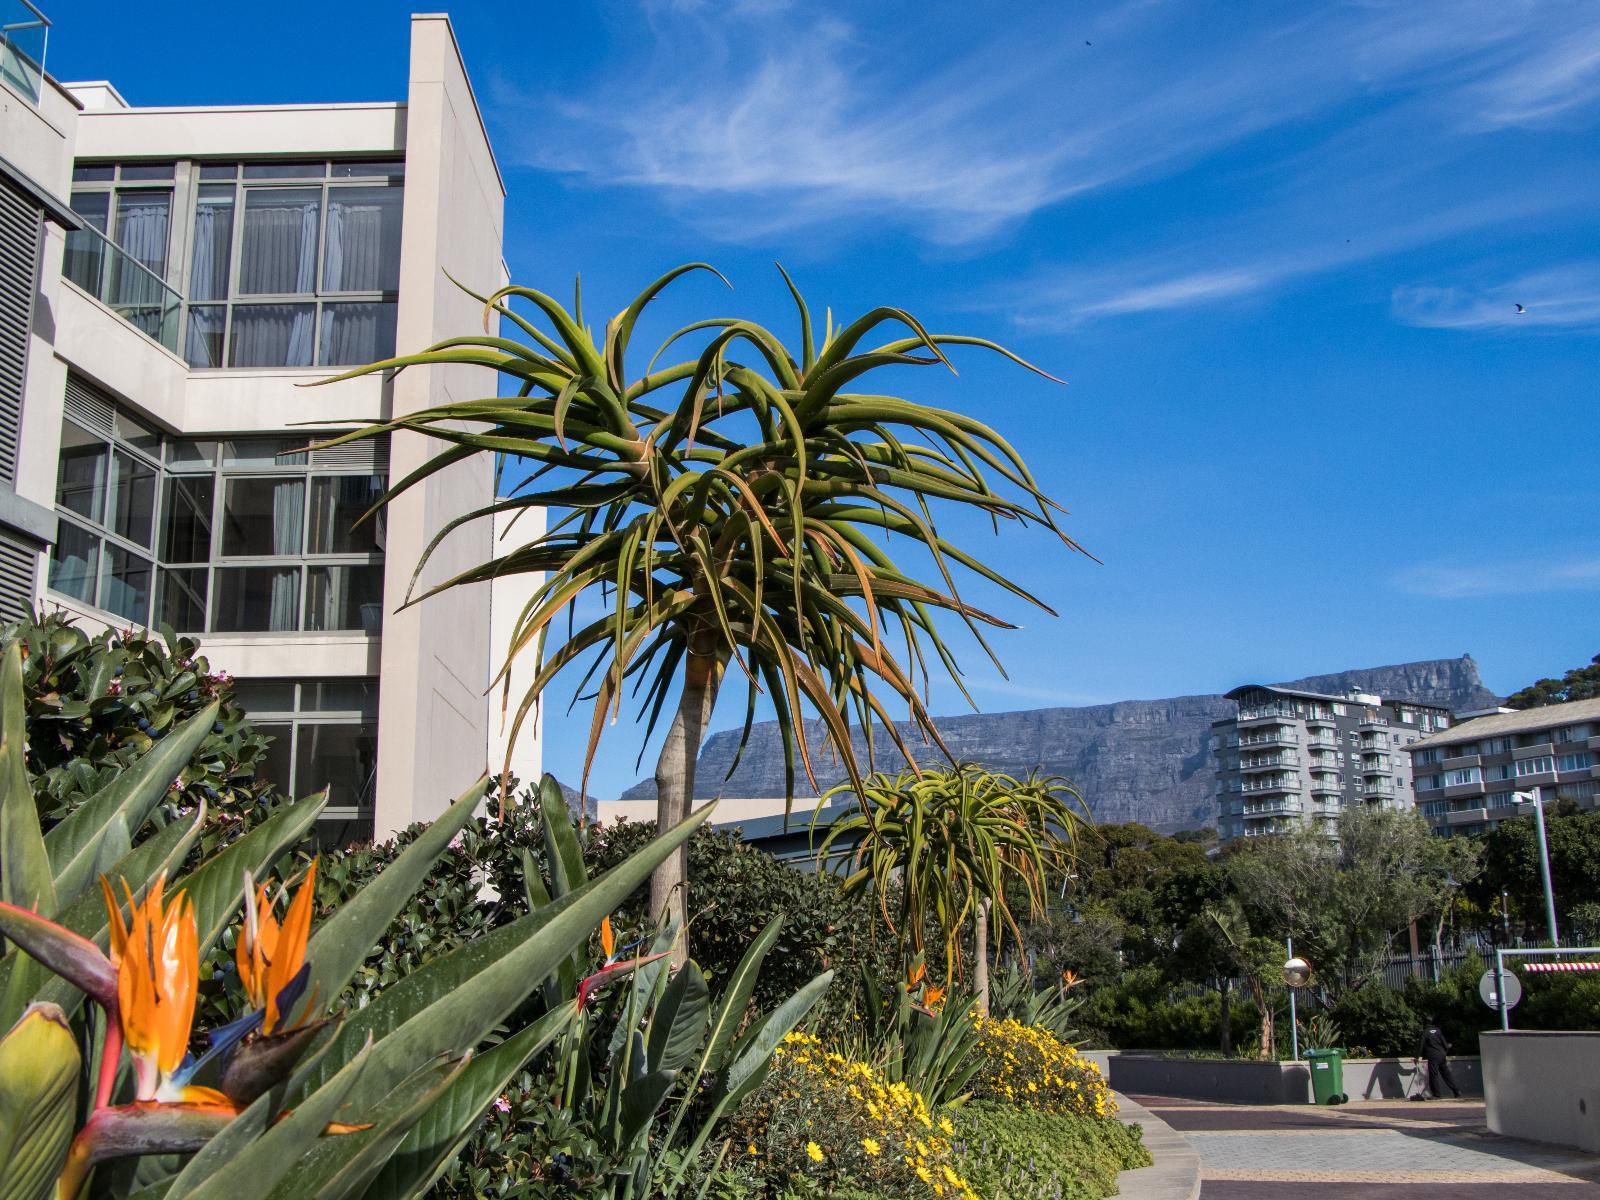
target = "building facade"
x: 172, y: 280
x: 1291, y: 758
x: 1468, y: 777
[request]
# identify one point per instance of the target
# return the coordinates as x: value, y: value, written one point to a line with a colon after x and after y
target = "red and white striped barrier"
x: 1542, y: 968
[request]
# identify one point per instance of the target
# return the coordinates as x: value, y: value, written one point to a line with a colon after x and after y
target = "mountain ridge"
x: 1132, y: 760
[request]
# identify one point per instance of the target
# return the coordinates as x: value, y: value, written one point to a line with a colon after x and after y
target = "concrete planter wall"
x: 1240, y: 1081
x: 1544, y: 1086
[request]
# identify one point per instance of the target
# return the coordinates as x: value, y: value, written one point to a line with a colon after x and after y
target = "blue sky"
x: 1275, y: 250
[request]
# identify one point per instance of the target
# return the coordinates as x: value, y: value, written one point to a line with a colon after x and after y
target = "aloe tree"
x: 944, y: 844
x: 734, y: 509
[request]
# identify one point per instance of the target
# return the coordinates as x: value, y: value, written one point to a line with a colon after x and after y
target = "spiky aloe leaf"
x: 39, y: 1062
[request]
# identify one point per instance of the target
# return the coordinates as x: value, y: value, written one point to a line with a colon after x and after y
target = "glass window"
x: 213, y: 244
x: 284, y: 170
x: 188, y: 455
x: 132, y: 498
x: 126, y: 589
x: 143, y: 218
x: 278, y: 256
x: 94, y: 172
x: 147, y: 170
x: 341, y: 695
x: 94, y: 208
x: 265, y: 452
x: 256, y: 600
x: 342, y: 758
x: 219, y: 170
x: 277, y: 767
x: 203, y: 345
x: 353, y: 334
x: 345, y: 597
x: 74, y: 562
x: 1534, y: 766
x: 81, y: 475
x: 182, y: 599
x: 367, y: 170
x: 265, y: 695
x: 272, y: 335
x: 186, y: 521
x: 362, y: 248
x: 337, y: 503
x: 262, y: 516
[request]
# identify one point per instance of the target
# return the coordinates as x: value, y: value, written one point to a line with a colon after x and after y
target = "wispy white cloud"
x: 1444, y: 581
x: 1565, y: 297
x: 789, y: 116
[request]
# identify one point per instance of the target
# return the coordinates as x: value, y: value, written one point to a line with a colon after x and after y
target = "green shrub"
x: 736, y: 889
x: 1141, y: 1012
x: 1026, y: 1154
x: 1378, y: 1020
x: 95, y: 704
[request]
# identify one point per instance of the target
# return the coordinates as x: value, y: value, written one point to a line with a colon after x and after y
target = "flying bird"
x: 1520, y: 309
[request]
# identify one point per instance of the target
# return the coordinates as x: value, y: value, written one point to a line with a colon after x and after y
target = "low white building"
x: 171, y: 279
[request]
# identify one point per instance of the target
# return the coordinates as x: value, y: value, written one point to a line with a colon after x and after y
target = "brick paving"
x: 1372, y: 1151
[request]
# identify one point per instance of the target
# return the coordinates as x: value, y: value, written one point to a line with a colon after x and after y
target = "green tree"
x: 943, y: 845
x: 1580, y: 683
x: 1511, y: 865
x: 1347, y: 900
x: 728, y: 512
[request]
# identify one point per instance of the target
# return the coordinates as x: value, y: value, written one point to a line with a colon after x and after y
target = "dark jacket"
x: 1434, y: 1044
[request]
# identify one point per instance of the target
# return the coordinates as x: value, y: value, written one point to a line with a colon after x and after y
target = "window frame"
x: 320, y: 298
x: 298, y: 716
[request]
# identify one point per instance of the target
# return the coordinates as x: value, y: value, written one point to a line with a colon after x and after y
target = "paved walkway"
x: 1384, y: 1150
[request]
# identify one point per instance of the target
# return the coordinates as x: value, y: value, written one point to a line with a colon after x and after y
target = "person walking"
x: 1435, y: 1050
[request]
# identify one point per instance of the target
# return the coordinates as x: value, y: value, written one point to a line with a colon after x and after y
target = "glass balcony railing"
x: 114, y: 277
x: 23, y: 33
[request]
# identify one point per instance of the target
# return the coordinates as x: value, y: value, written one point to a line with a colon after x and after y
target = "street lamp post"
x: 1536, y: 798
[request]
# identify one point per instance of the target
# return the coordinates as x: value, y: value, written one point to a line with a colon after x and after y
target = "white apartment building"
x: 171, y: 279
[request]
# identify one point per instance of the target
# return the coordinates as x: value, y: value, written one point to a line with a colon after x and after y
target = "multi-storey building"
x: 1468, y: 777
x: 1292, y: 758
x: 171, y: 280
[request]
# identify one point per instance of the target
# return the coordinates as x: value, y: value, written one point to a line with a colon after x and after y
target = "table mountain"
x: 1135, y: 760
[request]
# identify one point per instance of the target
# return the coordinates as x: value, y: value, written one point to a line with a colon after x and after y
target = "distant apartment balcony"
x: 1270, y: 737
x: 1272, y: 808
x: 1267, y: 714
x: 1467, y: 816
x: 1463, y: 760
x: 1282, y: 783
x: 1323, y: 740
x: 1538, y: 750
x: 1327, y: 785
x: 1377, y: 787
x: 1378, y: 742
x: 1270, y: 762
x: 24, y: 31
x: 1373, y: 723
x: 1376, y: 766
x: 123, y: 284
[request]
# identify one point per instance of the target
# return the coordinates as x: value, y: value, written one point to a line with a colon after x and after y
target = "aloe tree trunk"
x: 980, y: 979
x: 675, y: 788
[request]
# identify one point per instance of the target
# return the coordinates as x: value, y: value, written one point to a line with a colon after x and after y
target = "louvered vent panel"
x: 369, y: 454
x: 89, y: 407
x: 21, y: 231
x: 18, y: 561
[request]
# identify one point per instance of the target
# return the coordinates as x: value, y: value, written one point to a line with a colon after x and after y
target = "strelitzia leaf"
x: 26, y: 880
x: 39, y: 1062
x: 678, y: 1024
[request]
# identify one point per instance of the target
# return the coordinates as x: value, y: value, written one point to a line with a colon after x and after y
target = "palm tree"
x: 728, y: 511
x: 952, y: 840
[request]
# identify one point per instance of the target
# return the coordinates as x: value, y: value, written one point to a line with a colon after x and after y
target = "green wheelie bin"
x: 1327, y: 1076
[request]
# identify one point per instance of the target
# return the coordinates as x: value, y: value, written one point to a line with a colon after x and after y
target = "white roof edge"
x: 357, y: 105
x: 69, y: 86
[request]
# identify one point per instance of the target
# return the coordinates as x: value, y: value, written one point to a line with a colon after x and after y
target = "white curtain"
x: 142, y: 220
x: 278, y: 257
x: 288, y: 506
x: 363, y: 248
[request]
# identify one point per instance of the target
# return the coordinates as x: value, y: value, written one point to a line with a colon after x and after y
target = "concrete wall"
x: 1239, y: 1081
x: 1544, y: 1086
x: 433, y: 715
x: 508, y: 596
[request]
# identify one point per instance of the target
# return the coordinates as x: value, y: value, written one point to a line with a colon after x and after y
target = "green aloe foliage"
x: 942, y: 846
x: 753, y: 506
x: 671, y: 1048
x: 337, y: 1106
x: 1014, y: 995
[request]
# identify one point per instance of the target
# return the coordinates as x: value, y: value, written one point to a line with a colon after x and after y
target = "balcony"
x: 1376, y: 766
x: 1463, y: 760
x: 1284, y: 783
x: 1269, y: 762
x: 24, y: 31
x: 1271, y: 737
x: 1272, y: 808
x: 1327, y: 785
x: 1377, y: 787
x: 1373, y: 723
x: 1539, y: 750
x: 123, y: 284
x: 1467, y: 816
